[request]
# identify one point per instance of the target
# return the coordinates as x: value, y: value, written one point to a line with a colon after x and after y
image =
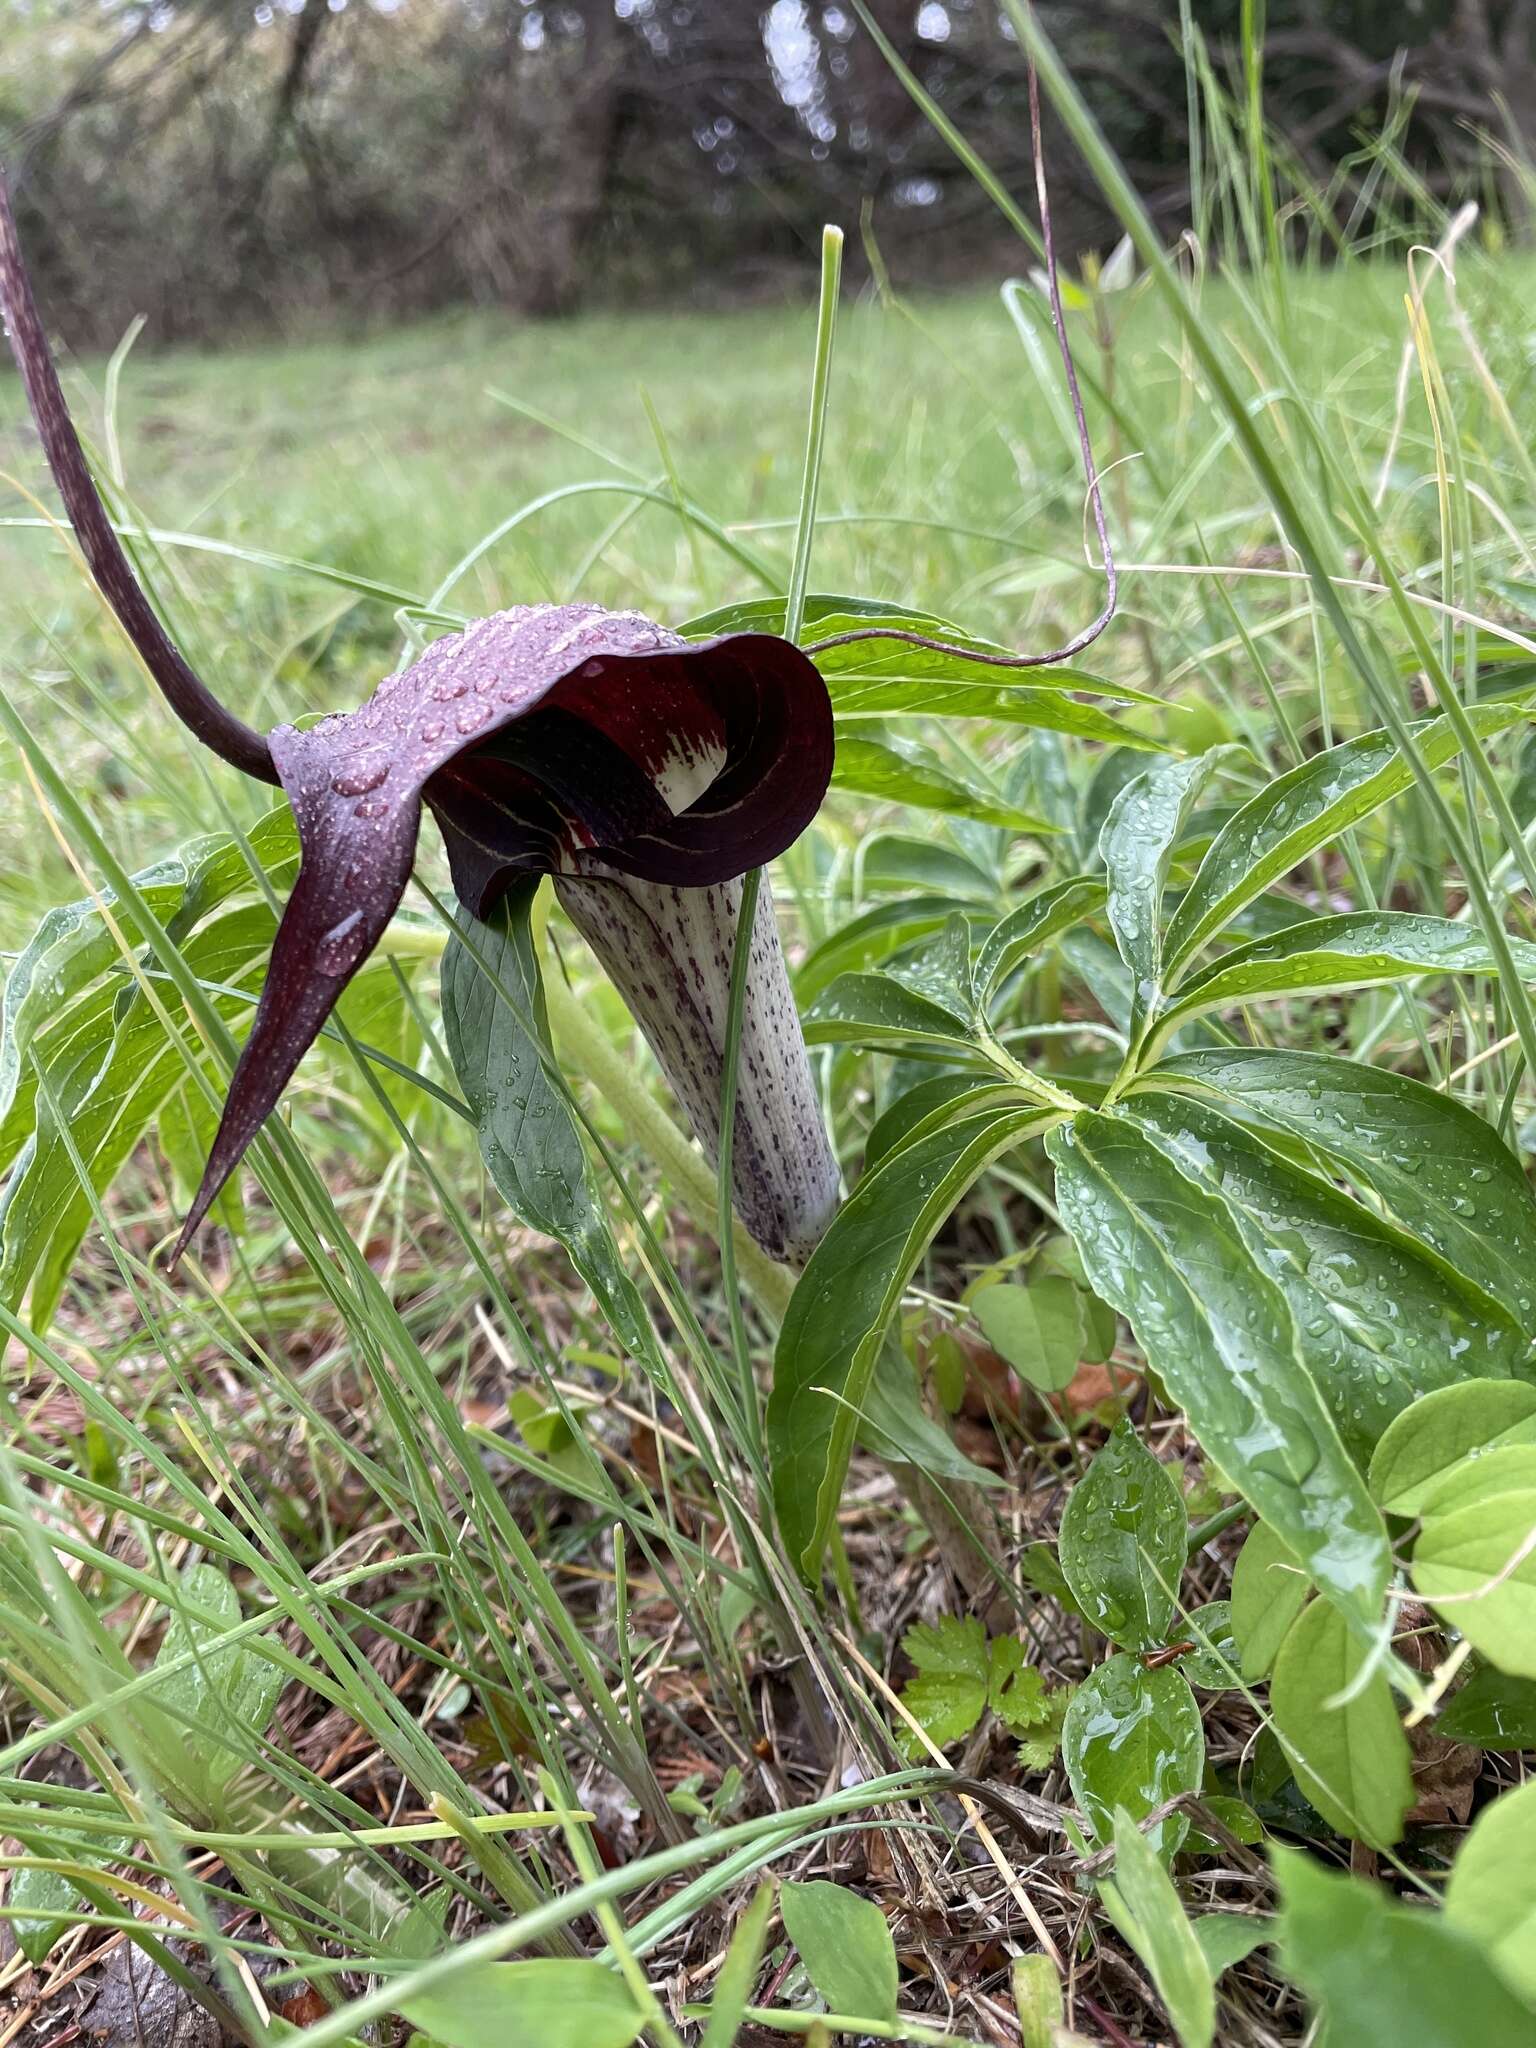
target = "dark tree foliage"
x: 216, y: 162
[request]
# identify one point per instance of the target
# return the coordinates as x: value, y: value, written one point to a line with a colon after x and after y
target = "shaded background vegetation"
x: 219, y: 164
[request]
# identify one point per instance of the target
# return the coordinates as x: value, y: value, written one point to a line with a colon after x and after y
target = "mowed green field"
x: 951, y: 481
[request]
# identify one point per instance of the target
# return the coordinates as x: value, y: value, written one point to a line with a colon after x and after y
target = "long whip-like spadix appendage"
x: 1075, y: 646
x: 188, y: 696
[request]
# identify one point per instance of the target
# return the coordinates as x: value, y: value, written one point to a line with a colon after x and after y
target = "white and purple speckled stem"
x: 668, y: 952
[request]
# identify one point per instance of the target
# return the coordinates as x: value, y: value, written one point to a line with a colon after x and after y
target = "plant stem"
x: 586, y: 1048
x: 1202, y: 1532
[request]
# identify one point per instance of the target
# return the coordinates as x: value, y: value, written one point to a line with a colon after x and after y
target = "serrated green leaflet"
x: 1380, y: 1321
x: 1218, y: 1331
x: 1342, y: 1734
x: 1360, y: 950
x: 954, y: 1674
x: 1124, y: 1539
x: 1302, y: 811
x: 1431, y: 1439
x: 843, y: 1302
x: 1442, y: 1172
x: 1132, y: 1738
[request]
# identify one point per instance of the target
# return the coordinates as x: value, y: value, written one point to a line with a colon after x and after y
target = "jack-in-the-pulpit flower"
x: 645, y: 773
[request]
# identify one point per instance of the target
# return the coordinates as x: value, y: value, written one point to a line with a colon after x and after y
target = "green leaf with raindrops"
x: 1218, y: 1331
x: 1213, y: 1664
x: 1441, y: 1172
x: 1124, y: 1537
x: 1359, y: 950
x: 1381, y: 1321
x: 1145, y: 823
x: 1302, y: 810
x: 1132, y: 1738
x: 1031, y: 926
x: 877, y: 1011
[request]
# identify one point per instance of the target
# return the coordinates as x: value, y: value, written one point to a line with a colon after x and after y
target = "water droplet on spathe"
x: 362, y: 773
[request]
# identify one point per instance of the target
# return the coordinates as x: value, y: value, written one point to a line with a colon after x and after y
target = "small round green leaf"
x: 1427, y: 1441
x: 1477, y: 1568
x: 1038, y: 1329
x: 1213, y: 1665
x: 1132, y: 1738
x: 846, y: 1946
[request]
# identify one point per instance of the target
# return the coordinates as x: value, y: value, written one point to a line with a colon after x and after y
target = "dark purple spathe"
x: 543, y: 740
x: 644, y: 772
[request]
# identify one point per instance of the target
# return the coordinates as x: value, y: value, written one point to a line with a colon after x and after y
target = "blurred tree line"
x: 222, y: 163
